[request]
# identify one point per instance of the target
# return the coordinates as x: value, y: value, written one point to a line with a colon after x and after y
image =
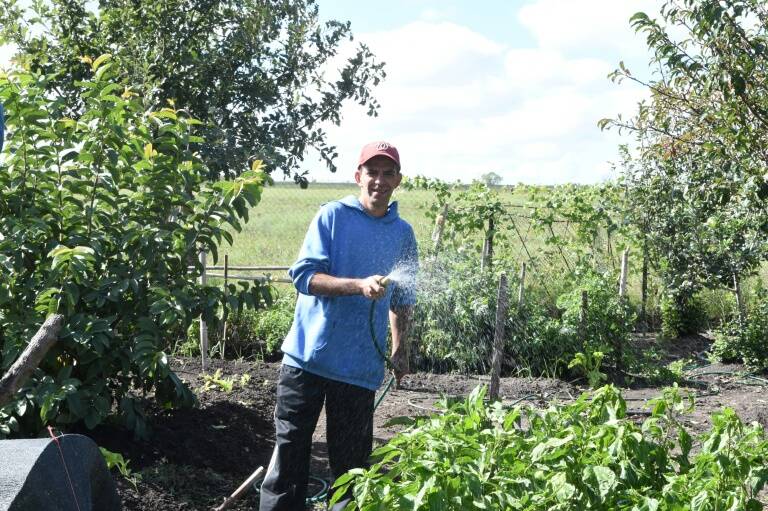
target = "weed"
x: 116, y: 460
x: 216, y: 380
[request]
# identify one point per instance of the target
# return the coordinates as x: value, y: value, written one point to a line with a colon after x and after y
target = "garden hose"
x: 387, y: 361
x: 322, y: 493
x: 319, y: 496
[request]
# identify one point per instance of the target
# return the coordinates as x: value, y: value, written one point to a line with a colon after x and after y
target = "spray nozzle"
x: 385, y: 281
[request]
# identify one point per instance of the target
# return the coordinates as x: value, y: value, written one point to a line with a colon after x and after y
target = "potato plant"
x: 584, y: 455
x: 100, y: 219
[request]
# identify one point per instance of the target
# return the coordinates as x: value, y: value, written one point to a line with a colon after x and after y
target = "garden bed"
x: 196, y: 457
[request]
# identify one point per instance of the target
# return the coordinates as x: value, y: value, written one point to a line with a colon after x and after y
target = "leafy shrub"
x: 585, y: 455
x: 456, y: 313
x: 250, y: 333
x: 682, y: 315
x: 538, y: 342
x: 100, y: 217
x: 748, y: 341
x: 608, y: 320
x: 454, y: 316
x: 273, y: 324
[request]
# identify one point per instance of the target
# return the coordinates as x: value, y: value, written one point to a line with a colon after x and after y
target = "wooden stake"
x: 437, y: 233
x: 30, y: 358
x: 487, y: 260
x: 498, y: 338
x: 224, y: 331
x: 618, y: 348
x: 521, y: 288
x: 203, y: 326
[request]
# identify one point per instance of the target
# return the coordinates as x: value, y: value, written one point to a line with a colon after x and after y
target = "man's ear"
x: 358, y: 175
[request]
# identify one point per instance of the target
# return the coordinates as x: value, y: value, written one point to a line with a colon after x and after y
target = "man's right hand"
x: 371, y: 287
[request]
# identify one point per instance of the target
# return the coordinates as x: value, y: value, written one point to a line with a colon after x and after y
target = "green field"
x: 275, y: 231
x: 277, y: 225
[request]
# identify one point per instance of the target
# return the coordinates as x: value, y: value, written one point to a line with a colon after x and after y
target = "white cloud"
x: 587, y: 26
x: 440, y: 52
x: 458, y: 104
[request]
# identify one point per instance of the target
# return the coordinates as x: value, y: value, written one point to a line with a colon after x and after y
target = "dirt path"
x: 196, y: 457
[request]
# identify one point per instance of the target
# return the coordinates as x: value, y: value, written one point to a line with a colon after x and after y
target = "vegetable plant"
x: 585, y: 455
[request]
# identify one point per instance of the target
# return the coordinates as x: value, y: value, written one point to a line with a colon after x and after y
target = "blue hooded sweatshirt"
x: 330, y: 335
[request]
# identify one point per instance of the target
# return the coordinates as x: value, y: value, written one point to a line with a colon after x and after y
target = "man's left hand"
x: 400, y: 365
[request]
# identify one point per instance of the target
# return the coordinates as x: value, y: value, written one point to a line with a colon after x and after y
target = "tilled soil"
x: 194, y: 458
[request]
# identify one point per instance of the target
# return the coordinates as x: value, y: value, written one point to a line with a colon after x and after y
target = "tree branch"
x: 31, y: 357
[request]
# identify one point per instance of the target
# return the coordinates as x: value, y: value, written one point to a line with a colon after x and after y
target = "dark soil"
x: 196, y: 457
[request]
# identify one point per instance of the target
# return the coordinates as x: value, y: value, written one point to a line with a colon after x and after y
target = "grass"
x: 277, y: 225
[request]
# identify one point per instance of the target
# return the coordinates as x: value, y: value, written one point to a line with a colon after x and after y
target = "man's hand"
x: 371, y: 287
x: 400, y: 365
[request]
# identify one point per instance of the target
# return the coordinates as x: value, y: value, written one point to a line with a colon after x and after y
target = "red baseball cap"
x: 379, y: 148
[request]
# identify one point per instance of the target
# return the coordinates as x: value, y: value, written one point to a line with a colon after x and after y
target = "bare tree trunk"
x: 739, y: 299
x: 644, y: 289
x: 30, y: 358
x: 624, y: 274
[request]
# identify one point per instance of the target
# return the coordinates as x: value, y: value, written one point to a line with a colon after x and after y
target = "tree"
x: 697, y: 181
x: 261, y: 73
x: 491, y: 179
x: 99, y: 220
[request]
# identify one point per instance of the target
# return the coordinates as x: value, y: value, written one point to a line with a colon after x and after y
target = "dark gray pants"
x: 349, y: 417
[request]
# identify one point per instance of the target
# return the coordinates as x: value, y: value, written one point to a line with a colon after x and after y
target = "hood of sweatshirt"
x: 353, y: 202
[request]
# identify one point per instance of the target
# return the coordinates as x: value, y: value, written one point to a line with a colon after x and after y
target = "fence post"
x: 226, y: 293
x: 498, y: 338
x: 521, y: 288
x: 203, y: 326
x: 622, y: 300
x: 487, y: 260
x: 437, y: 233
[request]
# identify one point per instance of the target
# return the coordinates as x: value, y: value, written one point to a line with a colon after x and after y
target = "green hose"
x: 386, y: 359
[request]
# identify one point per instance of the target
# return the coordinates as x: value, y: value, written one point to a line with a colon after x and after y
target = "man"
x: 329, y: 355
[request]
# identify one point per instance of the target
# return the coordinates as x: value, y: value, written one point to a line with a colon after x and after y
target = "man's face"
x: 377, y: 179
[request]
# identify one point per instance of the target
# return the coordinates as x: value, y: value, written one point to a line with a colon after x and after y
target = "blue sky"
x: 494, y: 18
x: 513, y: 87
